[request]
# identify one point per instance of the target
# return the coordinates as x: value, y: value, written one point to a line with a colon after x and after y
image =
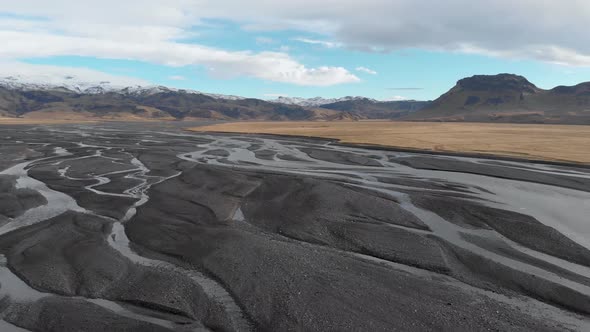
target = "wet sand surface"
x: 145, y: 227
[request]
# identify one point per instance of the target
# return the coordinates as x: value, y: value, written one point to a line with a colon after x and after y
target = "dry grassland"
x: 547, y: 142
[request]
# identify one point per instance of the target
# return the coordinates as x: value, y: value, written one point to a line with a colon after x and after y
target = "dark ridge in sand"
x: 497, y: 169
x: 14, y: 202
x: 143, y: 228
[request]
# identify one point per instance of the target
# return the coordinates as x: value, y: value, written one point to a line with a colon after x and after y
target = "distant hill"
x: 315, y: 101
x: 161, y: 104
x: 480, y: 98
x: 371, y: 109
x: 102, y: 101
x: 508, y: 98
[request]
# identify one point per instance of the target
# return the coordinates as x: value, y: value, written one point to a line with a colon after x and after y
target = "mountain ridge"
x: 480, y: 98
x: 70, y: 83
x: 98, y: 87
x: 316, y: 101
x: 508, y: 98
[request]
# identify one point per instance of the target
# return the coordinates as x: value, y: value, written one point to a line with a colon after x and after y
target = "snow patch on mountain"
x: 78, y: 82
x: 316, y: 101
x: 70, y: 83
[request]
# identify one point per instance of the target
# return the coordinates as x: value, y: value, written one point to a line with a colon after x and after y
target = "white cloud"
x: 323, y: 43
x: 177, y: 77
x: 366, y: 70
x: 60, y: 75
x: 397, y: 98
x: 550, y: 31
x: 148, y: 30
x: 271, y: 66
x: 551, y: 54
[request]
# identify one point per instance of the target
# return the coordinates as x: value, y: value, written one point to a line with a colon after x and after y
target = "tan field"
x: 60, y: 117
x: 546, y: 142
x: 33, y: 121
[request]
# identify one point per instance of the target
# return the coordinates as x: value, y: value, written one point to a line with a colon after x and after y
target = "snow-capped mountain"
x: 72, y: 84
x: 20, y: 95
x: 316, y: 101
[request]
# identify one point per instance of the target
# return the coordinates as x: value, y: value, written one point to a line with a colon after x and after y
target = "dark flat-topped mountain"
x: 508, y: 98
x: 498, y: 83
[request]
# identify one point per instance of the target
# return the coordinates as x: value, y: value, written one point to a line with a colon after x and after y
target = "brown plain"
x: 531, y: 141
x: 29, y: 121
x: 63, y: 117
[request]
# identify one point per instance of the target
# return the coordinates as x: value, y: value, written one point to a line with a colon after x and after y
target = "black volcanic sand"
x: 497, y: 170
x: 340, y: 157
x: 515, y: 226
x: 70, y: 257
x: 68, y: 314
x: 13, y: 201
x: 233, y: 233
x: 104, y: 205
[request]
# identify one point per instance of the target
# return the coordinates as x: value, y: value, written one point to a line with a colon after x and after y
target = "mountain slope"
x: 481, y: 98
x: 316, y: 101
x: 372, y: 109
x: 75, y: 85
x: 508, y: 98
x: 165, y: 104
x: 74, y: 99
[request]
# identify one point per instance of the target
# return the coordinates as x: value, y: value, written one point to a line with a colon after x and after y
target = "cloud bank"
x: 548, y: 30
x: 150, y: 31
x: 60, y: 75
x: 163, y: 32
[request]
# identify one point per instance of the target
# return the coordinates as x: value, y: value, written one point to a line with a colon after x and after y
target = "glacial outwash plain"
x: 294, y: 166
x: 149, y: 227
x: 565, y: 143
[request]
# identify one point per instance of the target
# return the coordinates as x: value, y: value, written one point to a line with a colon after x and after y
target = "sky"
x: 383, y: 49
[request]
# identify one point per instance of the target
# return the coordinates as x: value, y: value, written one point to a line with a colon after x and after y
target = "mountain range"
x: 317, y: 101
x: 508, y: 98
x: 480, y: 98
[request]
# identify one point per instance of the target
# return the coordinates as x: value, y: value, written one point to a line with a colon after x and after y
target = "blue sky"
x: 312, y: 52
